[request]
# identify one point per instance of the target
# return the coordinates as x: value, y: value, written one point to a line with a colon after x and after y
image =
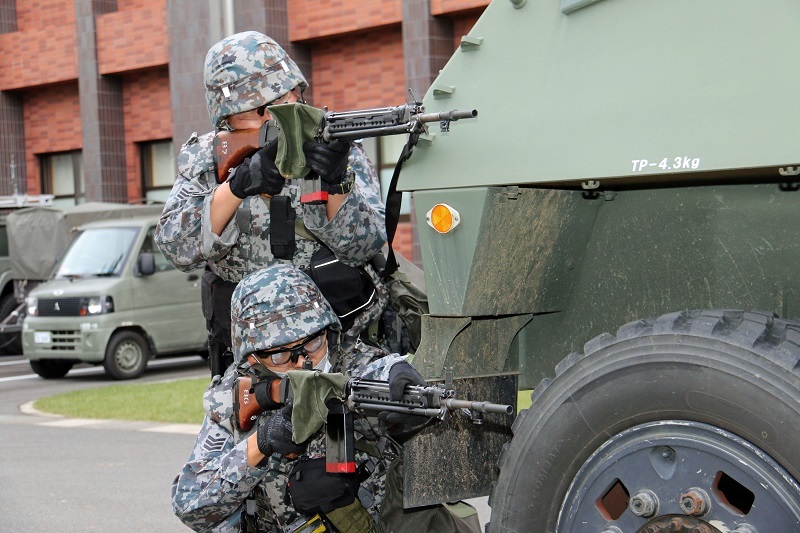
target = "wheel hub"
x: 677, y: 524
x: 679, y: 476
x: 128, y: 355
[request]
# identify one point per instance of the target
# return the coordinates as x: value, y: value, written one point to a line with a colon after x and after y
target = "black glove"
x: 262, y: 392
x: 275, y: 434
x: 329, y: 161
x: 257, y: 174
x: 400, y: 375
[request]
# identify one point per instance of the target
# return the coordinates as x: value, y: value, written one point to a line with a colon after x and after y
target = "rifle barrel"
x: 447, y: 115
x: 482, y: 407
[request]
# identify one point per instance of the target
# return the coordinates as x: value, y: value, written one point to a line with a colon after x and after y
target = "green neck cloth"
x: 311, y: 389
x: 296, y: 123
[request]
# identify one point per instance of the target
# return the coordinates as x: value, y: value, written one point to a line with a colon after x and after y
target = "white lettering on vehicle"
x: 666, y: 163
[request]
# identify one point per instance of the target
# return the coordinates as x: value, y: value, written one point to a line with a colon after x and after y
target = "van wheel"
x: 10, y: 343
x: 126, y: 355
x: 686, y: 420
x: 51, y: 368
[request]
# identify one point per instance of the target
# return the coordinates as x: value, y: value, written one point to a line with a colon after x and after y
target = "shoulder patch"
x: 196, y: 157
x: 215, y: 442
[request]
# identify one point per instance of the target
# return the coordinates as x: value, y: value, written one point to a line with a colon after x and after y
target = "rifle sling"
x: 394, y: 200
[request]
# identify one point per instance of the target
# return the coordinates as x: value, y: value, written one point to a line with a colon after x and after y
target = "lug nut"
x: 644, y: 504
x: 695, y: 502
x: 611, y: 529
x: 744, y: 528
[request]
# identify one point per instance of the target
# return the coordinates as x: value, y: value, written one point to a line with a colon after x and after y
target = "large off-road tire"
x: 126, y: 355
x: 705, y: 400
x: 51, y: 368
x: 10, y: 343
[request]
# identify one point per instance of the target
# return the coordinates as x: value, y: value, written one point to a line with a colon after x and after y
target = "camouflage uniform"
x: 273, y: 307
x: 243, y: 72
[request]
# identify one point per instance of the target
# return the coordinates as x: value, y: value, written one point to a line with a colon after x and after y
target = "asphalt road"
x: 70, y: 475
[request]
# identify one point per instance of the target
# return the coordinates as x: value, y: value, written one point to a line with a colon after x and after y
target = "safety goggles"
x: 281, y: 356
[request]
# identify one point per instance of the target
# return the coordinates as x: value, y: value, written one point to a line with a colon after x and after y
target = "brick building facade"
x: 100, y: 88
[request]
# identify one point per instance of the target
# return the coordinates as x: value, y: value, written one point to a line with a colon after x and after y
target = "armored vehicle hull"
x: 633, y: 169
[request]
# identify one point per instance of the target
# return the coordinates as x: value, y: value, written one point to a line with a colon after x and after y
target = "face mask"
x: 324, y: 364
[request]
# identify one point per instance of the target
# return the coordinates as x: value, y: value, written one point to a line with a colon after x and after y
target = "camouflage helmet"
x: 275, y: 306
x: 245, y: 71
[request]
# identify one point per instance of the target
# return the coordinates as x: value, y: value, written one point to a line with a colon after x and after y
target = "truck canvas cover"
x: 39, y: 236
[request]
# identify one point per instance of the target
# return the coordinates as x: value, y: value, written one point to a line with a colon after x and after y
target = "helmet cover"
x: 245, y: 71
x: 276, y: 306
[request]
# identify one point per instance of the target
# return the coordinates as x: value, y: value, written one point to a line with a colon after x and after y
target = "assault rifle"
x: 363, y: 396
x: 232, y: 147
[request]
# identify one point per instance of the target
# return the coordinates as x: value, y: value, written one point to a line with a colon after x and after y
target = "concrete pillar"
x: 190, y: 38
x: 427, y: 44
x: 102, y: 115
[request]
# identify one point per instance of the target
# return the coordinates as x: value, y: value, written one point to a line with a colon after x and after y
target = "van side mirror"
x: 146, y: 263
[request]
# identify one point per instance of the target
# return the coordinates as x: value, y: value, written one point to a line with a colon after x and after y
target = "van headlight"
x: 32, y: 305
x: 96, y: 305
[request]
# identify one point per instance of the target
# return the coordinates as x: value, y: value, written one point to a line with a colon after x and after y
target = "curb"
x: 56, y: 420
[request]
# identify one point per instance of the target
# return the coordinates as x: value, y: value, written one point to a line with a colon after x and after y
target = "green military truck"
x: 113, y: 298
x: 10, y: 342
x: 618, y: 231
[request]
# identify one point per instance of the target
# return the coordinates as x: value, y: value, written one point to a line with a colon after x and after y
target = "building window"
x: 384, y: 153
x: 62, y: 176
x: 158, y: 170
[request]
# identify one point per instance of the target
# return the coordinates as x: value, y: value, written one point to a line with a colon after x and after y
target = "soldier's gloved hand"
x: 257, y: 174
x: 275, y: 434
x: 400, y: 375
x: 263, y: 392
x: 329, y: 161
x: 401, y: 425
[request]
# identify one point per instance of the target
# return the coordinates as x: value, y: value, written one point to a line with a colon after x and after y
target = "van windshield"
x: 97, y: 252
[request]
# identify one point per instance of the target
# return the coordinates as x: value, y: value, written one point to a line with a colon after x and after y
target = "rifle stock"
x: 246, y: 408
x: 231, y: 148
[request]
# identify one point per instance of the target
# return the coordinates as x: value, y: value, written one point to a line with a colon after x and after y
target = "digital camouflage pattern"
x: 274, y: 307
x: 245, y: 71
x: 210, y: 491
x: 355, y: 233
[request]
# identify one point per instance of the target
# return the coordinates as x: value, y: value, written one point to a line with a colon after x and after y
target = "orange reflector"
x: 443, y: 218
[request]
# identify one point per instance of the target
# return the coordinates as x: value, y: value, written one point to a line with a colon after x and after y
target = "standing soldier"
x: 233, y: 228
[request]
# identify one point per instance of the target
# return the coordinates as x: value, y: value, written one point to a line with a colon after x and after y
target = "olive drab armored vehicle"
x: 618, y: 231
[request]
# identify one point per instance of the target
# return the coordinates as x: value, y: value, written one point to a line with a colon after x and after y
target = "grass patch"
x: 177, y: 402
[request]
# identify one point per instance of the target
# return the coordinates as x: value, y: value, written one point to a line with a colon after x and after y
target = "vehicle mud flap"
x: 430, y: 479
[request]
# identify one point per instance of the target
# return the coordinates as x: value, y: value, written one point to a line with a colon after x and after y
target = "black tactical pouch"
x: 281, y: 227
x: 216, y: 294
x: 348, y: 289
x: 312, y: 490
